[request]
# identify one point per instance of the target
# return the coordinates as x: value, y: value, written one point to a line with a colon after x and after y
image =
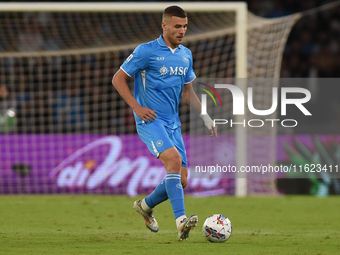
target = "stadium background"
x: 312, y: 50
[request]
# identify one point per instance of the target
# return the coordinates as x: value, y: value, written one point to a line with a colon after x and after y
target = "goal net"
x: 64, y: 129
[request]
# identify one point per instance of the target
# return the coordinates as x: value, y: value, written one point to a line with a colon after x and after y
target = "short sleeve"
x: 190, y: 74
x: 138, y: 60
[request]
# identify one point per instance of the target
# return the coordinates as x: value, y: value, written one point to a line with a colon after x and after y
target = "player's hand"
x: 145, y: 114
x: 208, y: 122
x: 212, y: 132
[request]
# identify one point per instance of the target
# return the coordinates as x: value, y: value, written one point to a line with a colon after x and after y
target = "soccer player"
x: 163, y: 71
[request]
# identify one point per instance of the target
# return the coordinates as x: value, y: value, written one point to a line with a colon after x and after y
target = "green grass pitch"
x: 94, y: 224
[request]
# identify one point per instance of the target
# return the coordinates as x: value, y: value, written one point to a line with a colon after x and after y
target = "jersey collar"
x: 162, y: 43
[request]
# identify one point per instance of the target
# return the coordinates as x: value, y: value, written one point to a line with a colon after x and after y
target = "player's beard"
x: 175, y: 41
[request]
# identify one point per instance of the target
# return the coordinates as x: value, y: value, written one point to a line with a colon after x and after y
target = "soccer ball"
x: 217, y: 228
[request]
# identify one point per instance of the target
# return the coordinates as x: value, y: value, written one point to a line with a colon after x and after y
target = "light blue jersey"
x: 160, y: 74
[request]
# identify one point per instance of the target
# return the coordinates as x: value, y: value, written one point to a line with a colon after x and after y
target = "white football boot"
x: 185, y: 227
x: 149, y: 219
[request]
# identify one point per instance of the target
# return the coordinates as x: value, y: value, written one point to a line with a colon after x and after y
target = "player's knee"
x: 175, y: 164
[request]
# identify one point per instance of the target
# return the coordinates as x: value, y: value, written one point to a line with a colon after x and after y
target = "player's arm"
x: 120, y: 84
x: 191, y: 98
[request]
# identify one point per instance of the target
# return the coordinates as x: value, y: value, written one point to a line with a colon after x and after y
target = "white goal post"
x: 243, y: 58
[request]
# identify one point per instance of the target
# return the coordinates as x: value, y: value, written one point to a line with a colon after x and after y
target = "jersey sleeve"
x: 190, y: 74
x: 138, y: 60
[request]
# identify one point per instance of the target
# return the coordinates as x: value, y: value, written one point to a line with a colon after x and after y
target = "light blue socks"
x: 175, y: 192
x: 157, y: 196
x: 170, y: 188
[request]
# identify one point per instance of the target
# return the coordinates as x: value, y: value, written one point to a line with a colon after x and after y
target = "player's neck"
x: 173, y: 47
x: 170, y: 45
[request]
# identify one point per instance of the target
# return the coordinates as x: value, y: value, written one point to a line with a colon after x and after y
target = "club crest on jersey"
x: 163, y: 70
x: 185, y: 59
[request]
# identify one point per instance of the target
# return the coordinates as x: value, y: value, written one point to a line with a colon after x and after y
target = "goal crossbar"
x: 119, y: 7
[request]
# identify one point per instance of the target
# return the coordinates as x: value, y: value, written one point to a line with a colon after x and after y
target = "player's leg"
x: 159, y: 194
x: 168, y: 145
x: 156, y: 138
x: 184, y: 176
x: 173, y: 164
x: 177, y: 139
x: 184, y: 225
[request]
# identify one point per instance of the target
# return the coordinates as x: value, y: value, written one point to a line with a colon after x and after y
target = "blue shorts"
x: 158, y: 138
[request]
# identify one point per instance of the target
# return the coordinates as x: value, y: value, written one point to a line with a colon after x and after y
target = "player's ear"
x: 163, y: 25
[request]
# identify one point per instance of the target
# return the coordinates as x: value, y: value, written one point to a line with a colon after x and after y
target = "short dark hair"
x: 174, y: 10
